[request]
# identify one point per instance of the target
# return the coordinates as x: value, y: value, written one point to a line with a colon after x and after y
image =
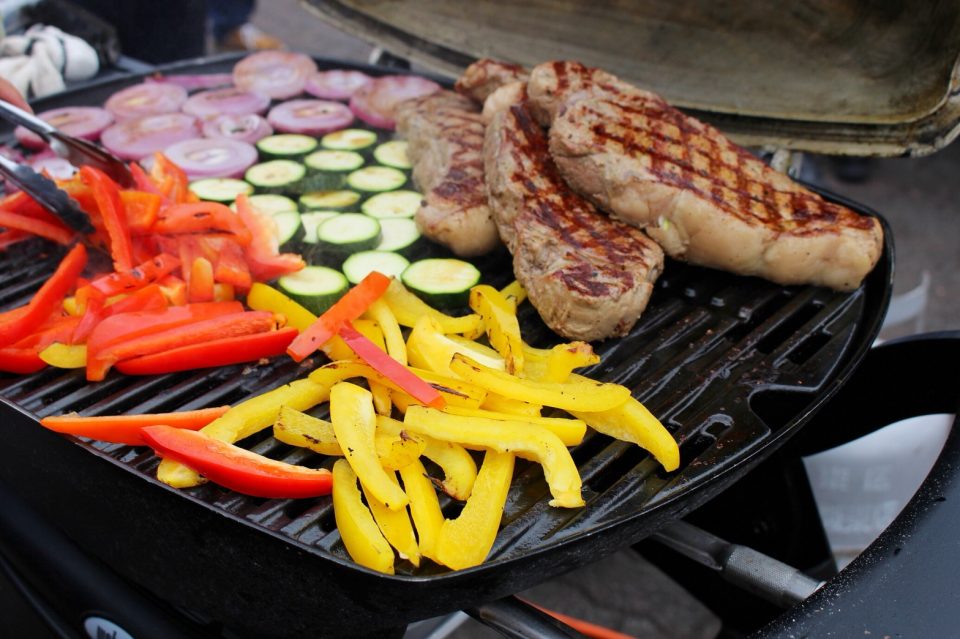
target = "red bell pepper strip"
x: 20, y: 360
x: 93, y: 313
x: 262, y: 254
x: 9, y: 237
x: 390, y: 368
x: 143, y: 181
x: 173, y: 180
x: 200, y: 281
x: 125, y: 429
x: 174, y: 289
x: 148, y: 298
x: 202, y: 217
x: 129, y: 326
x: 107, y: 195
x: 236, y: 468
x: 233, y: 325
x: 138, y: 277
x: 56, y: 232
x: 218, y: 352
x: 348, y: 308
x: 231, y: 268
x: 142, y: 209
x: 46, y: 300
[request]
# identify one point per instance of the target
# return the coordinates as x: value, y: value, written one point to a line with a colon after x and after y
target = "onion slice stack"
x: 375, y: 103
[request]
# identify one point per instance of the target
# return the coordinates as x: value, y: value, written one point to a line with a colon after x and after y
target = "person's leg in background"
x: 231, y: 27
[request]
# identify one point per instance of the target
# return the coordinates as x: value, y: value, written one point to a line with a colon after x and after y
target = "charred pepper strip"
x: 15, y: 326
x: 106, y: 193
x: 266, y: 298
x: 153, y: 270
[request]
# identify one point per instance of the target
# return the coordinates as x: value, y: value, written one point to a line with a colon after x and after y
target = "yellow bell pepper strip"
x: 390, y: 368
x: 348, y: 308
x: 424, y: 506
x: 266, y: 298
x: 125, y: 429
x: 381, y: 313
x: 395, y: 525
x: 306, y: 431
x: 459, y: 469
x: 514, y: 293
x: 428, y: 347
x: 408, y: 308
x: 355, y: 424
x: 526, y: 440
x: 585, y: 395
x: 247, y: 418
x: 570, y: 431
x: 501, y: 404
x: 455, y: 392
x: 632, y: 422
x: 17, y: 324
x: 359, y: 532
x: 466, y: 541
x: 556, y: 364
x: 500, y: 320
x: 236, y: 468
x: 61, y: 355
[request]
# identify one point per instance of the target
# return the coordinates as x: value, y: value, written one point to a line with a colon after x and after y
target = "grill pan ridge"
x: 732, y: 366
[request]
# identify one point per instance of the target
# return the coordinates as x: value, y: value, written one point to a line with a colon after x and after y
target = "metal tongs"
x: 78, y: 152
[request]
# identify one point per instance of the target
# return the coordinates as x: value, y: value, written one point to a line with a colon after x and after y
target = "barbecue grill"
x: 733, y: 366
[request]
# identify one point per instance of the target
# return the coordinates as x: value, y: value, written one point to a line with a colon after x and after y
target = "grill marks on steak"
x: 444, y: 132
x: 703, y: 198
x: 589, y: 276
x: 485, y: 76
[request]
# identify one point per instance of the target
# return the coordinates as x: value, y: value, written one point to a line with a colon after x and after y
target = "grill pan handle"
x: 514, y: 618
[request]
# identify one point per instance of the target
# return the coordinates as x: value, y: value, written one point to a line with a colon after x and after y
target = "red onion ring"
x: 232, y: 101
x: 206, y: 157
x: 337, y: 84
x: 148, y: 98
x: 276, y: 74
x: 81, y: 122
x: 245, y: 128
x: 135, y: 139
x: 310, y: 117
x: 375, y: 103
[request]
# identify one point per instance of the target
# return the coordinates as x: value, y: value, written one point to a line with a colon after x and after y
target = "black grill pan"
x: 733, y: 366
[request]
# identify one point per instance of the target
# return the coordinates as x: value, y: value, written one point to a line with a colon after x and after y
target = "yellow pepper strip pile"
x: 424, y: 506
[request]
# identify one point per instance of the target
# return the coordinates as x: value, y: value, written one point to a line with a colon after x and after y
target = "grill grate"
x: 730, y: 365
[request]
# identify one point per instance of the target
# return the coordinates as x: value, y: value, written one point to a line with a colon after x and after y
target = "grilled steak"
x: 703, y: 198
x: 587, y: 275
x: 445, y: 136
x: 485, y: 76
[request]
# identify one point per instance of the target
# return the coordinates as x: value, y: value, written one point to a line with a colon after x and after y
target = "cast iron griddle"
x: 732, y: 366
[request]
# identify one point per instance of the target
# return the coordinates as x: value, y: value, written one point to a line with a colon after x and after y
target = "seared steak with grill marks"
x: 444, y: 131
x: 703, y: 198
x: 587, y: 275
x: 485, y: 76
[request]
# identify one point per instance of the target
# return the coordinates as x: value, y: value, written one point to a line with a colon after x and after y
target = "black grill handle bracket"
x: 513, y: 617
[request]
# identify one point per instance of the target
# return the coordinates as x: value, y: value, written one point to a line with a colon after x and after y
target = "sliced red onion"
x: 277, y: 74
x: 135, y: 139
x: 310, y: 117
x: 338, y: 84
x: 81, y: 122
x: 245, y: 128
x: 205, y: 157
x: 148, y: 98
x: 193, y: 82
x: 56, y: 167
x: 375, y: 103
x: 231, y: 100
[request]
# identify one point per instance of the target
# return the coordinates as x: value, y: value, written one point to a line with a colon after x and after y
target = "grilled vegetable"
x: 394, y: 524
x: 393, y: 153
x: 500, y: 320
x: 140, y: 137
x: 228, y: 100
x: 359, y: 532
x: 349, y: 140
x: 212, y: 157
x: 441, y: 282
x: 329, y: 200
x: 341, y: 235
x: 399, y: 235
x: 408, y: 308
x: 221, y: 189
x: 275, y: 74
x: 265, y: 298
x: 337, y: 84
x: 317, y: 288
x: 249, y: 128
x: 281, y: 177
x: 376, y: 179
x: 310, y: 117
x: 393, y: 204
x: 125, y: 429
x: 424, y: 506
x: 359, y: 265
x: 286, y: 146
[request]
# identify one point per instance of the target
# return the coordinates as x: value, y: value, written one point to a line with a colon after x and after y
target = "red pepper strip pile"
x: 218, y: 352
x: 262, y: 253
x: 47, y: 299
x: 235, y: 468
x: 107, y: 196
x: 348, y: 308
x: 232, y: 325
x: 125, y: 429
x: 391, y: 368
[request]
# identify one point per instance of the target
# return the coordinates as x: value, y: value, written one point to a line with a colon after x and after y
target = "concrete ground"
x: 920, y: 198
